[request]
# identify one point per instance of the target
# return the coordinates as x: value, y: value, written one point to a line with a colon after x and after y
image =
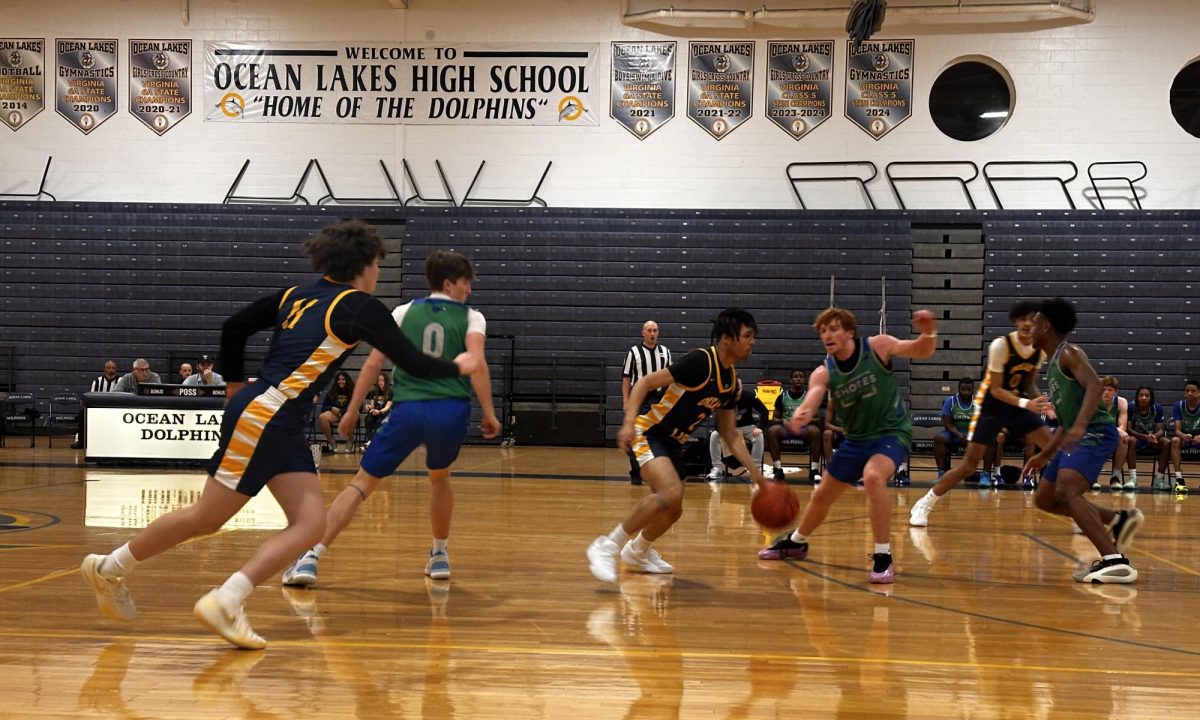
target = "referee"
x: 640, y: 361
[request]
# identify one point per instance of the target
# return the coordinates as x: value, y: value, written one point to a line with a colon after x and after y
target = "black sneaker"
x: 784, y: 548
x: 901, y: 479
x: 635, y: 480
x: 326, y: 450
x: 882, y: 569
x: 77, y: 445
x: 1126, y: 526
x: 1180, y: 486
x: 777, y: 474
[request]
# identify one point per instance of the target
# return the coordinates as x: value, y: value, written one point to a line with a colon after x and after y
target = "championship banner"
x: 879, y: 84
x: 401, y: 84
x: 160, y: 82
x: 85, y: 91
x: 799, y: 85
x: 720, y: 85
x: 22, y: 80
x: 643, y: 86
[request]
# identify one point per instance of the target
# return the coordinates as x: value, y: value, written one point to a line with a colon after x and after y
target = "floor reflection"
x: 135, y: 500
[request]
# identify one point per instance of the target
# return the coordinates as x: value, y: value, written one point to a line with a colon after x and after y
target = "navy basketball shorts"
x: 261, y: 437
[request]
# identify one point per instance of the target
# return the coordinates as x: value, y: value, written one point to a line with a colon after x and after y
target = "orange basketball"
x: 775, y: 505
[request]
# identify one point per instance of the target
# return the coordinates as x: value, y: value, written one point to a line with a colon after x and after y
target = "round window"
x: 1185, y: 98
x: 970, y: 100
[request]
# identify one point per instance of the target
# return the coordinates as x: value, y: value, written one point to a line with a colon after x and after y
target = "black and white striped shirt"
x: 103, y: 384
x: 641, y: 361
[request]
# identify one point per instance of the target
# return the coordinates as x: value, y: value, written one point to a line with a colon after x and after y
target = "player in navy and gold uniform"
x: 698, y: 384
x: 262, y: 434
x: 1006, y: 400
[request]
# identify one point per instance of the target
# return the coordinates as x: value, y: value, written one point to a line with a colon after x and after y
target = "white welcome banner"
x: 389, y: 83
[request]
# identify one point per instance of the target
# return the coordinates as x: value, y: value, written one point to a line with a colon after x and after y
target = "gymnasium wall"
x: 1085, y: 93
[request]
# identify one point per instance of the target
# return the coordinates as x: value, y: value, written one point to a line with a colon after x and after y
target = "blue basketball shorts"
x: 440, y: 425
x: 852, y: 456
x: 1087, y: 458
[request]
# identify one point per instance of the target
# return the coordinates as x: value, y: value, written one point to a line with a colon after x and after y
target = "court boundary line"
x: 983, y: 616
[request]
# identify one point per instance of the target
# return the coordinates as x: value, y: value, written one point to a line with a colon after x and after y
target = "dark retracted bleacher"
x: 579, y: 283
x: 1131, y: 275
x: 83, y: 282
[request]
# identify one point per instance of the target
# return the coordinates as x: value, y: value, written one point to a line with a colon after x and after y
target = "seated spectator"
x: 107, y: 382
x: 204, y: 374
x: 185, y: 371
x: 957, y: 411
x: 1119, y: 407
x: 337, y: 399
x: 751, y: 416
x: 832, y: 436
x: 1145, y: 430
x: 777, y: 431
x: 130, y: 382
x: 1187, y: 429
x: 377, y: 405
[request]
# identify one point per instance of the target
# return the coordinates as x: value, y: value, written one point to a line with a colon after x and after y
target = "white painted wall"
x: 1084, y: 93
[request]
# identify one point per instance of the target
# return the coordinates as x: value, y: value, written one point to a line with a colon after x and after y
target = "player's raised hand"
x: 925, y: 321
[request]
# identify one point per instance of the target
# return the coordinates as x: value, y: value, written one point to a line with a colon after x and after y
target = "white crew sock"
x: 883, y: 548
x: 232, y: 595
x: 118, y: 563
x: 440, y: 545
x: 618, y: 535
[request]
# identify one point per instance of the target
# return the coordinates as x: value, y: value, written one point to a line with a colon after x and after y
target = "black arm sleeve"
x: 358, y: 316
x: 237, y: 329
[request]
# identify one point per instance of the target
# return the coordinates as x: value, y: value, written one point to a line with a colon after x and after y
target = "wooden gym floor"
x: 983, y: 621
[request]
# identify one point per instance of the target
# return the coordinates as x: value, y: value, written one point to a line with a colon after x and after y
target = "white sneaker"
x: 303, y: 572
x: 111, y: 594
x: 602, y: 559
x: 919, y: 515
x: 438, y: 565
x: 648, y: 562
x: 717, y: 473
x: 1131, y: 480
x: 235, y: 628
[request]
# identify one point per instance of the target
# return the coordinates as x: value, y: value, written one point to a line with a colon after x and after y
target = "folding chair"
x: 20, y: 410
x: 65, y: 410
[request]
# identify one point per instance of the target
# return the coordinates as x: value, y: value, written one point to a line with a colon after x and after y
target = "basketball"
x: 775, y: 505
